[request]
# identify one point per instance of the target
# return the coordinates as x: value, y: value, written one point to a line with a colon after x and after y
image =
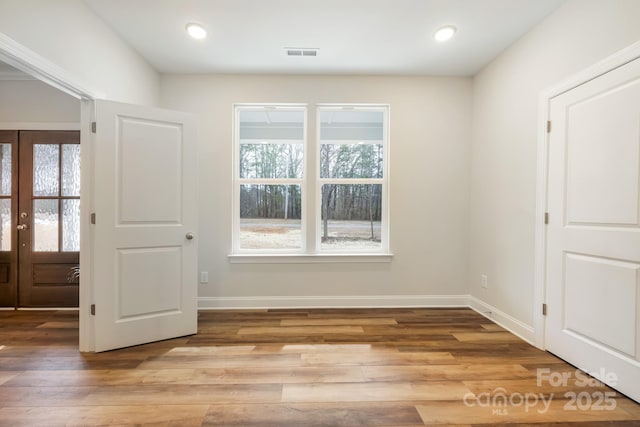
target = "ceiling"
x: 353, y: 36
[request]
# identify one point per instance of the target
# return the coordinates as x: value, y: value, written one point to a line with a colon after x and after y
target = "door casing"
x: 614, y: 61
x: 37, y: 66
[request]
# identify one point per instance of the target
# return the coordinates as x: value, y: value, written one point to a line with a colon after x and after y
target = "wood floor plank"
x: 314, y: 415
x: 301, y: 330
x: 176, y: 415
x: 527, y: 359
x: 45, y: 396
x: 7, y: 376
x: 445, y: 372
x: 531, y: 385
x: 374, y: 391
x: 338, y: 321
x: 436, y: 413
x: 331, y: 348
x: 65, y: 363
x: 208, y: 350
x: 102, y: 377
x: 377, y: 358
x: 171, y: 394
x: 486, y: 337
x: 223, y: 361
x: 493, y: 327
x: 145, y: 377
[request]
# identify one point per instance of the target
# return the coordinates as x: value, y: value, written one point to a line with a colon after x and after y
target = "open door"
x: 144, y: 247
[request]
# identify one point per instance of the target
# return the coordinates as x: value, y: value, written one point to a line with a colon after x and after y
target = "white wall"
x: 430, y: 133
x: 31, y: 101
x: 504, y: 137
x: 70, y: 35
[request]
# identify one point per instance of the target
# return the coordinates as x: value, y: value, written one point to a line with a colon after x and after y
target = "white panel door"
x: 144, y: 247
x: 593, y: 236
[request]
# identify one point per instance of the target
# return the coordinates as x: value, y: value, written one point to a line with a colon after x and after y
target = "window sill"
x: 309, y: 258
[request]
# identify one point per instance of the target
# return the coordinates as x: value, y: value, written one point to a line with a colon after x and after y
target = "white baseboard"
x: 513, y: 325
x: 377, y: 301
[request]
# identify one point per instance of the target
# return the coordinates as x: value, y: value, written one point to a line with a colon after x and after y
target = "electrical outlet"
x: 483, y: 281
x: 204, y: 277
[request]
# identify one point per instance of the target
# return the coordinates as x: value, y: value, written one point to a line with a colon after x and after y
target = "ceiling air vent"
x: 301, y: 51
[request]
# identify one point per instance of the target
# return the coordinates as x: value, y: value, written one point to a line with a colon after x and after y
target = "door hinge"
x: 544, y: 309
x: 93, y: 309
x: 546, y: 217
x: 93, y: 218
x: 93, y: 127
x: 548, y: 126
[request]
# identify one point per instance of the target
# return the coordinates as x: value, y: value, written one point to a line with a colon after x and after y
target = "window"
x: 321, y: 195
x: 352, y: 145
x: 269, y: 178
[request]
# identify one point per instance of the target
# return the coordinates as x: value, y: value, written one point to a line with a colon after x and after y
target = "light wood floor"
x: 391, y: 367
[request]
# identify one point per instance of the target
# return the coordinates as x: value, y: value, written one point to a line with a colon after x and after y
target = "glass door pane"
x: 5, y: 197
x: 70, y: 225
x: 45, y: 225
x: 71, y: 170
x: 46, y: 170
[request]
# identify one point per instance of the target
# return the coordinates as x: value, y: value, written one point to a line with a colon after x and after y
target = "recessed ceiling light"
x: 445, y: 33
x: 196, y: 31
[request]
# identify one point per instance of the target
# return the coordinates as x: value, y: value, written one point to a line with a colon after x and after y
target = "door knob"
x: 189, y: 236
x: 23, y: 227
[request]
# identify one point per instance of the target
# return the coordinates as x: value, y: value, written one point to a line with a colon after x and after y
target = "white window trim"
x: 311, y: 224
x: 237, y: 181
x: 384, y: 181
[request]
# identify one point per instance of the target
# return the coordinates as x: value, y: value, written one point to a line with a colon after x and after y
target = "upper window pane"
x: 266, y: 125
x: 351, y: 143
x: 271, y: 143
x: 351, y: 126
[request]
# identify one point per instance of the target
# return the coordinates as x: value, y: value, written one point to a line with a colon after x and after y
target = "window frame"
x: 311, y: 192
x: 384, y: 181
x: 238, y: 181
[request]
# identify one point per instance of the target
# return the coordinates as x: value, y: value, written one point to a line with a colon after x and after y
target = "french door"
x: 40, y: 215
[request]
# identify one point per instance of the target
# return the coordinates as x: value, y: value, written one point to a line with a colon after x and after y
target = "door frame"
x: 39, y: 67
x: 610, y: 63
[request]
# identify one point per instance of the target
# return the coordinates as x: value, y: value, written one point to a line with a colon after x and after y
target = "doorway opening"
x: 39, y: 218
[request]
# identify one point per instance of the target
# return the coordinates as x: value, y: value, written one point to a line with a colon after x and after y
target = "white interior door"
x: 593, y: 236
x: 144, y: 254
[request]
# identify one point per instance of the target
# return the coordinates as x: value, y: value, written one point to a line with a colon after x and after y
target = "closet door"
x: 593, y: 236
